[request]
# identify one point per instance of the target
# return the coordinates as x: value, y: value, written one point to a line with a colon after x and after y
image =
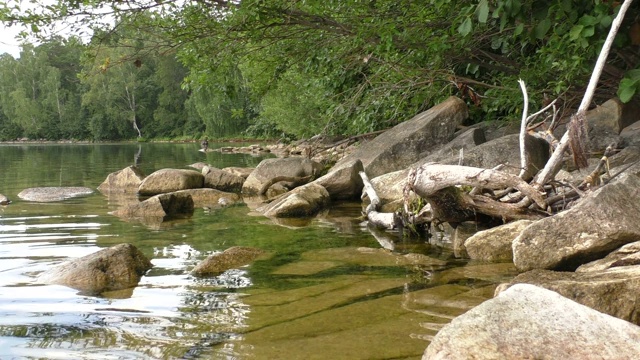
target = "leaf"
x: 627, y: 89
x: 633, y: 74
x: 483, y: 11
x: 588, y: 31
x: 34, y: 28
x: 588, y: 20
x: 465, y: 28
x: 606, y: 21
x: 496, y: 43
x: 575, y: 31
x: 518, y: 30
x: 541, y: 29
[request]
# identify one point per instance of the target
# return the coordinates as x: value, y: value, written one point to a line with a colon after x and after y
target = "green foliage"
x: 629, y: 85
x: 336, y: 67
x: 296, y: 106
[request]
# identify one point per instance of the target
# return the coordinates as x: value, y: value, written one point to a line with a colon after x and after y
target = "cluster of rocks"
x: 587, y: 255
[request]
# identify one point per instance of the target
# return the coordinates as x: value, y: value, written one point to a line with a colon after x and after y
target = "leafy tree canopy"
x: 349, y: 66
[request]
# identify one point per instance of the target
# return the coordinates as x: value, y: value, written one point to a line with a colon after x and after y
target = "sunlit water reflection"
x: 326, y: 290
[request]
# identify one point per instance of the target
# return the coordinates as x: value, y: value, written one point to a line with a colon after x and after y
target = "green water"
x: 325, y: 290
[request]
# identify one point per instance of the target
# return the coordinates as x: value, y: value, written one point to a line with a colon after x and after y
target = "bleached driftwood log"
x: 430, y: 178
x: 378, y: 219
x: 440, y: 186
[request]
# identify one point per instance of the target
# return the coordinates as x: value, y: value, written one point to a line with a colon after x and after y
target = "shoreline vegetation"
x: 193, y: 140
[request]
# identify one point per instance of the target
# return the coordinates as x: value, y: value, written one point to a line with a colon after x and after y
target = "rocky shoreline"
x: 579, y: 265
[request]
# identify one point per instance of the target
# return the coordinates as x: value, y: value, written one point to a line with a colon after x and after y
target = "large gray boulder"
x: 528, y: 322
x: 467, y: 140
x: 343, y: 182
x: 49, y: 194
x: 231, y: 258
x: 495, y: 244
x: 115, y: 268
x: 162, y: 206
x: 505, y: 150
x: 303, y: 201
x: 410, y: 141
x: 613, y: 291
x: 607, y: 121
x: 628, y: 155
x: 301, y: 170
x: 169, y: 180
x: 222, y: 180
x: 126, y: 180
x: 600, y: 223
x: 630, y: 135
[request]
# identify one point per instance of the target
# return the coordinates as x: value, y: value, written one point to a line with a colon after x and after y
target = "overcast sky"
x: 8, y: 43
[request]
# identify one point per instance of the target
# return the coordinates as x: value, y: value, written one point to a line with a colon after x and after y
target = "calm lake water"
x: 326, y: 289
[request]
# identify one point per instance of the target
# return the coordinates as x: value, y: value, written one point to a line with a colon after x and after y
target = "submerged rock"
x: 528, y: 322
x: 231, y: 258
x: 115, y: 268
x: 49, y: 194
x: 161, y: 206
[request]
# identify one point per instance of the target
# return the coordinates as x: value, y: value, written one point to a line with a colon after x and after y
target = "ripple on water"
x: 169, y: 315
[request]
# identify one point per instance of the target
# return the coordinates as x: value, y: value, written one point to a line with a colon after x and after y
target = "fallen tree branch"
x: 593, y: 178
x: 523, y: 131
x: 375, y: 218
x: 430, y: 178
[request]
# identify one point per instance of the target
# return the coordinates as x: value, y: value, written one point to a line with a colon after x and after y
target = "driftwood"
x: 430, y: 178
x: 440, y: 186
x: 377, y: 219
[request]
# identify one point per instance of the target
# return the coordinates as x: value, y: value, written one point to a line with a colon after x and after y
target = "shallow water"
x: 325, y: 290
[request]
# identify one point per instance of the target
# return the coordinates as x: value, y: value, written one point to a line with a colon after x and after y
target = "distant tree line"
x: 223, y: 68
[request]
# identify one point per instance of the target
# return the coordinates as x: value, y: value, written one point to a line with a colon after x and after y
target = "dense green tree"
x: 349, y: 66
x: 170, y: 117
x: 39, y: 96
x: 113, y: 96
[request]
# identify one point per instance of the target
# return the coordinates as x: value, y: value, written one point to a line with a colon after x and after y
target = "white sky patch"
x: 8, y: 42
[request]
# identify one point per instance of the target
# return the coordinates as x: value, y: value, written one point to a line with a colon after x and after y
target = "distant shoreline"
x: 133, y: 141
